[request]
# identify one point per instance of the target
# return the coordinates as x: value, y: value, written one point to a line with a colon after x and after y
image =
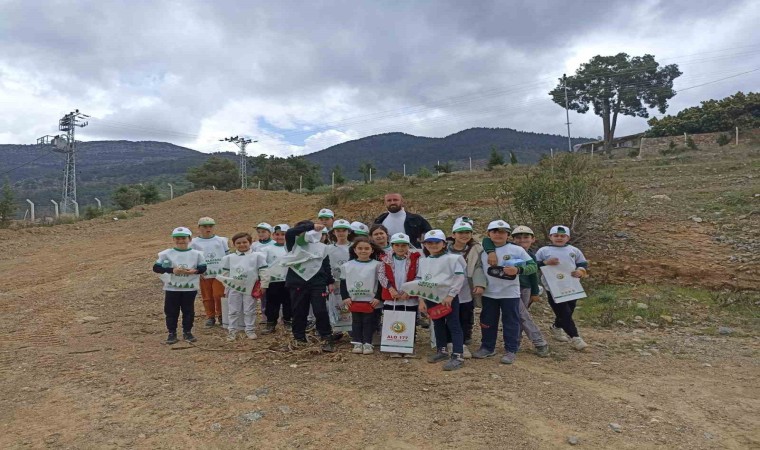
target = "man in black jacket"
x: 397, y: 220
x: 309, y: 293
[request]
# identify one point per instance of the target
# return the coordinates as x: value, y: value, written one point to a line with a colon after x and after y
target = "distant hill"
x: 392, y: 150
x: 103, y: 165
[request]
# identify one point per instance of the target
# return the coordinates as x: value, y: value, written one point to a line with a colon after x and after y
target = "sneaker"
x: 189, y: 337
x: 337, y: 336
x: 172, y: 339
x: 578, y: 343
x: 357, y: 349
x: 396, y: 355
x: 440, y: 355
x: 456, y: 362
x: 482, y: 353
x: 231, y: 336
x: 269, y: 328
x: 542, y: 351
x: 466, y: 353
x: 509, y: 358
x: 251, y: 334
x: 328, y: 347
x: 558, y: 334
x: 368, y: 349
x: 210, y: 322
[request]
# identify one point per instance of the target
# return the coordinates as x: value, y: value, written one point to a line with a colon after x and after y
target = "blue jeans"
x: 450, y: 322
x: 509, y: 308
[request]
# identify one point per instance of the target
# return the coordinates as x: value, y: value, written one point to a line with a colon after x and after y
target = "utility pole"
x: 567, y: 115
x: 241, y: 142
x: 66, y: 144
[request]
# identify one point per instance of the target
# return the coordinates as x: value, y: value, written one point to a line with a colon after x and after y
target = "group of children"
x: 345, y: 274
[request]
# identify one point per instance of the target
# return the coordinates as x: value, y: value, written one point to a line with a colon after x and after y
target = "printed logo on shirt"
x: 572, y: 255
x: 210, y: 255
x: 507, y: 257
x: 358, y: 284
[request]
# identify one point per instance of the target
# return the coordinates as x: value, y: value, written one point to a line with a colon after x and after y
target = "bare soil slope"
x: 81, y: 325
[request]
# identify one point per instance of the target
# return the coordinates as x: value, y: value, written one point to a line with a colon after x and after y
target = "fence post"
x: 55, y: 206
x: 31, y: 209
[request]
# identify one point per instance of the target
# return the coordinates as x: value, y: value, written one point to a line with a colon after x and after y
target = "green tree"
x: 496, y: 159
x: 365, y: 168
x: 149, y: 193
x: 339, y: 177
x: 424, y: 172
x: 738, y: 110
x: 219, y: 172
x: 7, y: 205
x: 615, y: 85
x: 444, y: 168
x: 127, y: 197
x: 285, y: 173
x: 512, y: 158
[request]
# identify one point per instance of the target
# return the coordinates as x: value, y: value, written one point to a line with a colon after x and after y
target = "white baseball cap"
x: 400, y: 238
x: 182, y: 232
x: 461, y: 226
x: 465, y: 219
x: 522, y: 229
x: 325, y: 213
x: 281, y: 227
x: 360, y: 228
x: 499, y: 225
x: 341, y: 223
x: 206, y: 221
x: 265, y: 226
x: 560, y: 229
x: 434, y: 236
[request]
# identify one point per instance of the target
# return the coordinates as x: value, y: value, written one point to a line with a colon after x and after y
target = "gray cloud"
x: 190, y: 72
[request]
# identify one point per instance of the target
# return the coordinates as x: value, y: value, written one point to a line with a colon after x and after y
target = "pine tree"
x: 496, y: 159
x: 512, y: 158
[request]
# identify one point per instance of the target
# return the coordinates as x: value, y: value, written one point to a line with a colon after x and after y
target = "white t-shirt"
x: 213, y: 249
x: 361, y: 279
x: 275, y: 271
x: 394, y: 222
x: 258, y: 246
x: 185, y: 259
x: 498, y: 287
x: 567, y: 254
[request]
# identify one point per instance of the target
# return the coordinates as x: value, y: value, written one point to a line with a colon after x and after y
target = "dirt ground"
x: 83, y: 365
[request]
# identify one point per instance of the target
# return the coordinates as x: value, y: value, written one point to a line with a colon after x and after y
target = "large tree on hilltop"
x: 619, y: 84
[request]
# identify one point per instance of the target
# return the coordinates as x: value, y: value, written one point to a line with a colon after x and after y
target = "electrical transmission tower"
x: 241, y: 142
x: 66, y: 144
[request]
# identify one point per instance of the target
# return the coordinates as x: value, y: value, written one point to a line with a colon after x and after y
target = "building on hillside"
x: 630, y: 142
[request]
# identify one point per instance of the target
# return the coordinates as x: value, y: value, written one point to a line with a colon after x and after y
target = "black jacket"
x: 415, y: 226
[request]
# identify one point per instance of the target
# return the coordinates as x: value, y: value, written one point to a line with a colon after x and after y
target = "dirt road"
x: 83, y: 366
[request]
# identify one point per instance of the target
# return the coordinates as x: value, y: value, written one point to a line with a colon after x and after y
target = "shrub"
x: 568, y: 189
x: 633, y: 153
x: 691, y: 144
x: 92, y: 212
x: 723, y: 139
x: 395, y: 176
x: 424, y: 172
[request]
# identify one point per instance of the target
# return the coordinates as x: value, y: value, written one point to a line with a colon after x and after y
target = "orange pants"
x: 212, y: 292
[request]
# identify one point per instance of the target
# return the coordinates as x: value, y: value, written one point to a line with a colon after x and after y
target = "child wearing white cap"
x: 563, y: 329
x: 340, y: 317
x: 180, y: 268
x: 273, y: 282
x: 396, y: 269
x: 529, y: 291
x: 264, y: 236
x: 443, y: 274
x: 213, y: 248
x: 502, y: 295
x: 358, y: 288
x: 241, y: 270
x: 358, y: 229
x: 326, y: 217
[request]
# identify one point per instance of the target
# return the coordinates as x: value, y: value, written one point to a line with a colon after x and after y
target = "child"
x: 523, y: 236
x: 241, y: 272
x: 475, y: 282
x: 264, y: 233
x: 358, y: 288
x: 340, y: 317
x: 273, y: 283
x: 307, y: 279
x: 326, y: 217
x: 552, y: 255
x: 213, y: 249
x: 358, y: 229
x: 180, y: 267
x: 443, y: 275
x: 396, y: 269
x: 502, y: 295
x: 379, y: 235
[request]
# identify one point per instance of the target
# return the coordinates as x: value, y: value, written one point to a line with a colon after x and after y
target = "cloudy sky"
x: 300, y: 76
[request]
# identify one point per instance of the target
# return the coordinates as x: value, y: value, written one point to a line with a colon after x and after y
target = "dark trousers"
x: 363, y: 327
x: 278, y: 295
x: 303, y: 297
x: 466, y: 319
x: 509, y: 309
x: 388, y: 306
x: 176, y: 301
x: 563, y: 315
x: 451, y: 324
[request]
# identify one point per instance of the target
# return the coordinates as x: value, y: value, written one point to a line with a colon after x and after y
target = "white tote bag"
x: 398, y: 331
